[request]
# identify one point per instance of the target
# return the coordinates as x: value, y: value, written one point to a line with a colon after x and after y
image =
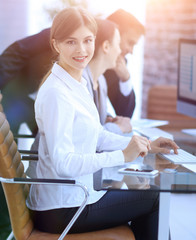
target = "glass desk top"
x: 170, y: 178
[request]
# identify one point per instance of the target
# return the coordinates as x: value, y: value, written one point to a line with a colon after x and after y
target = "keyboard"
x: 153, y: 133
x: 182, y: 157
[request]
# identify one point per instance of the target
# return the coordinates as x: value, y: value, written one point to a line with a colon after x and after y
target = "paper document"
x: 147, y: 123
x: 153, y: 133
x: 190, y: 131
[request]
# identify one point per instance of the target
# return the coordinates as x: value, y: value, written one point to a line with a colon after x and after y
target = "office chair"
x: 1, y: 107
x: 26, y: 154
x: 16, y: 190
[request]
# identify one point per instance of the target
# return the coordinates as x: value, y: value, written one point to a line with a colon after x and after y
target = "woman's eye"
x: 88, y: 40
x: 71, y: 42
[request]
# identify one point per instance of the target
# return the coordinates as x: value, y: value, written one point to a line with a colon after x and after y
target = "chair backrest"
x: 11, y: 167
x: 162, y: 101
x: 1, y: 107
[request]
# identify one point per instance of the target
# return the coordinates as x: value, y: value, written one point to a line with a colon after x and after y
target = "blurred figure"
x: 107, y: 50
x: 120, y: 89
x: 22, y: 66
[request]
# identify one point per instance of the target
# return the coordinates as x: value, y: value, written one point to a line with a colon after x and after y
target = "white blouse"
x: 72, y: 142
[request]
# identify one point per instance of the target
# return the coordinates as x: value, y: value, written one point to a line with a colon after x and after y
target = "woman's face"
x: 76, y: 51
x: 115, y: 49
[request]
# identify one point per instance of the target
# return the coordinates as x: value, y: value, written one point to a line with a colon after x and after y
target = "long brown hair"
x: 66, y: 22
x: 105, y: 31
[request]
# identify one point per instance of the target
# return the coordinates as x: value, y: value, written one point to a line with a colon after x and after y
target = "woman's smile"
x: 80, y: 58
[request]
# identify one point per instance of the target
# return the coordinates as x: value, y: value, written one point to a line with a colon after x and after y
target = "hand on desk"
x: 134, y: 182
x: 163, y: 145
x: 140, y: 146
x: 124, y: 123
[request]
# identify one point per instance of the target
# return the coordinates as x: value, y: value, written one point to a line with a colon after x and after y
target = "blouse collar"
x: 64, y: 76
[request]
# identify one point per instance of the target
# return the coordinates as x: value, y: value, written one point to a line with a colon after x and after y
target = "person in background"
x: 120, y: 87
x: 107, y: 50
x: 24, y: 63
x: 73, y: 143
x: 22, y: 66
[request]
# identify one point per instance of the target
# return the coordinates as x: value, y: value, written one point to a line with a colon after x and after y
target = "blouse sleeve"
x: 55, y: 116
x: 109, y: 141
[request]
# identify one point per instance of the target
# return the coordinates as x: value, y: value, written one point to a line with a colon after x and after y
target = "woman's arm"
x: 55, y: 116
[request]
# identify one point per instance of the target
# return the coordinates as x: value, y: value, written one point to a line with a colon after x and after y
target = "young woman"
x: 71, y: 137
x: 107, y: 50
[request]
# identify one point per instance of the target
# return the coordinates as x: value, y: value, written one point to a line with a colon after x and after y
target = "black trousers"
x: 113, y: 209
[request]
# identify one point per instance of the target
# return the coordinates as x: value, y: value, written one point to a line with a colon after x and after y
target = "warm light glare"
x: 108, y: 6
x: 39, y: 19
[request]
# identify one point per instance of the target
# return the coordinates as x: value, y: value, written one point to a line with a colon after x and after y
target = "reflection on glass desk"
x: 171, y: 177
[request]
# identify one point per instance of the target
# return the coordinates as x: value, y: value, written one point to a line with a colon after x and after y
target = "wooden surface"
x: 162, y: 104
x: 162, y: 101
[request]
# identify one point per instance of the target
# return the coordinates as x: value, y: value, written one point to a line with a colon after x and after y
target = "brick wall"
x: 166, y: 22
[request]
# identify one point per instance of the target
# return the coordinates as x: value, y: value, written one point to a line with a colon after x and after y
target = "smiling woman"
x: 37, y: 17
x: 74, y: 145
x: 75, y: 51
x: 71, y: 134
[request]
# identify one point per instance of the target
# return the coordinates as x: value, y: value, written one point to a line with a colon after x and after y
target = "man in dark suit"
x: 22, y: 66
x: 120, y: 91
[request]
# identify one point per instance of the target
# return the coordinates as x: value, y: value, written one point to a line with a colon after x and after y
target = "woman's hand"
x: 123, y: 123
x: 163, y: 145
x: 138, y: 146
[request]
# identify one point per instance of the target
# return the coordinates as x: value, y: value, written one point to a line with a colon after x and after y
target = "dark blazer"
x: 124, y: 106
x: 22, y: 67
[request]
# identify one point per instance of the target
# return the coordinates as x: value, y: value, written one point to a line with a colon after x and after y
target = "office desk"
x: 171, y: 179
